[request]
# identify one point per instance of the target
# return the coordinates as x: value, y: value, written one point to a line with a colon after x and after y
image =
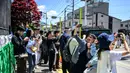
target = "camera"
x: 119, y: 35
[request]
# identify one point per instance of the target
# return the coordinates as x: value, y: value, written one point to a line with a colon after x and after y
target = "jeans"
x: 31, y: 61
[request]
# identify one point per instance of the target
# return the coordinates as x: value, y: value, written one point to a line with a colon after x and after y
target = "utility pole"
x: 45, y: 14
x: 46, y: 21
x: 92, y: 15
x: 85, y: 18
x: 64, y: 17
x: 65, y: 11
x: 73, y: 13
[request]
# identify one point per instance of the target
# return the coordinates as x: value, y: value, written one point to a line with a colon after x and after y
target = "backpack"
x: 66, y: 52
x: 74, y: 57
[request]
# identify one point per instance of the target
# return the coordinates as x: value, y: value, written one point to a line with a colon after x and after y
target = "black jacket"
x: 51, y: 42
x: 19, y: 45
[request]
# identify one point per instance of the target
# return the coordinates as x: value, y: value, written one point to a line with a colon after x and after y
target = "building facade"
x: 102, y: 7
x: 100, y: 20
x: 125, y: 24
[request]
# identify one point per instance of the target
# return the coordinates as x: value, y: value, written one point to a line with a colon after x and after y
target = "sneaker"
x: 54, y: 68
x: 57, y: 67
x: 36, y: 66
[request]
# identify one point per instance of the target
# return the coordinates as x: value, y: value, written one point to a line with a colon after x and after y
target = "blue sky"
x: 117, y: 8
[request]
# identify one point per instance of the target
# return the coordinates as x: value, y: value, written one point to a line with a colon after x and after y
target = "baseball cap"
x: 107, y: 36
x: 104, y: 40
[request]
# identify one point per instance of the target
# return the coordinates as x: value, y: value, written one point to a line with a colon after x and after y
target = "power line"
x: 61, y: 5
x: 61, y: 8
x: 56, y: 5
x: 60, y: 13
x: 75, y: 2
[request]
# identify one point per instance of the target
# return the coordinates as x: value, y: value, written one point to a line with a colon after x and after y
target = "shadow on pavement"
x: 44, y: 65
x: 45, y: 71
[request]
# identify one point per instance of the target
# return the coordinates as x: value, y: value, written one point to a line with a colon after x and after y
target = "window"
x: 126, y: 25
x: 89, y: 23
x: 69, y: 23
x: 101, y: 15
x: 121, y: 25
x: 77, y: 16
x: 101, y: 23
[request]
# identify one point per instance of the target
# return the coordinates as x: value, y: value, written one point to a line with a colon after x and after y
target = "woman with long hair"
x: 106, y: 56
x: 30, y: 47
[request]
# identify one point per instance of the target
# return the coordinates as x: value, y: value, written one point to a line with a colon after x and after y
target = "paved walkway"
x: 45, y: 69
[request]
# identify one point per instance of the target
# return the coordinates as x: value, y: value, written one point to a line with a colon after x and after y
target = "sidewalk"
x: 44, y: 68
x: 123, y: 66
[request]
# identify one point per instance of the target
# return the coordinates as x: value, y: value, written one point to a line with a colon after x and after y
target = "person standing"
x: 30, y: 47
x: 38, y: 51
x: 43, y: 48
x: 57, y: 44
x: 51, y: 47
x: 88, y: 51
x: 63, y: 40
x: 107, y: 57
x: 19, y: 49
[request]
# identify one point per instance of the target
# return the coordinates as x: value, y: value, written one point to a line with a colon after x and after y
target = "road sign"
x: 54, y: 17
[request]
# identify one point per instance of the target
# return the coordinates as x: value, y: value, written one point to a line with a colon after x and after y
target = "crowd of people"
x: 90, y: 54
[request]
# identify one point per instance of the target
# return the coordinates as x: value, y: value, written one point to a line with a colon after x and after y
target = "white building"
x: 125, y: 24
x: 100, y: 20
x: 102, y: 7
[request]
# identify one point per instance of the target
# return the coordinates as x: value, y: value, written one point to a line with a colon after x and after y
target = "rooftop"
x: 126, y: 21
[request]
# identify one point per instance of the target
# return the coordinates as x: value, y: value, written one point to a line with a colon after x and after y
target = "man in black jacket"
x: 18, y: 41
x: 52, y: 50
x: 63, y: 40
x: 19, y: 49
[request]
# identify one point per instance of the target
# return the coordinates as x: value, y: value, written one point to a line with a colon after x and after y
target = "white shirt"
x: 108, y: 61
x: 104, y: 63
x: 114, y: 56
